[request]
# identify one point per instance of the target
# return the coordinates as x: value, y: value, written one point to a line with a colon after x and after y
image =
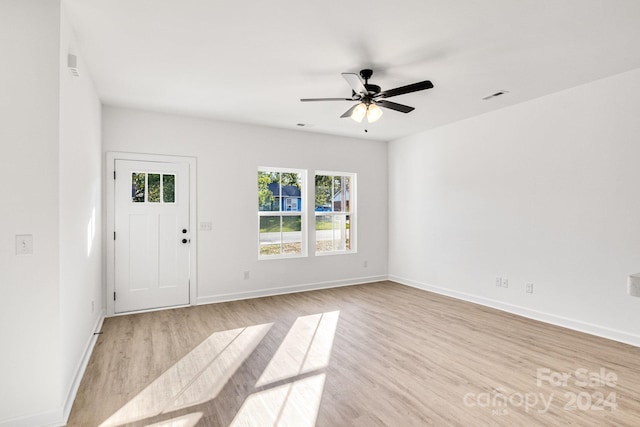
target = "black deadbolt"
x: 184, y: 231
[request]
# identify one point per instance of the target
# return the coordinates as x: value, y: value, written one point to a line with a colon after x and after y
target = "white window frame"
x: 352, y: 213
x: 283, y: 213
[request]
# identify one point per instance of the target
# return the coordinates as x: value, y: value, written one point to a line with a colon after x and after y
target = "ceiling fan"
x: 370, y: 97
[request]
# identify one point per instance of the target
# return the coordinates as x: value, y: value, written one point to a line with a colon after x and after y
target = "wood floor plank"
x: 398, y: 357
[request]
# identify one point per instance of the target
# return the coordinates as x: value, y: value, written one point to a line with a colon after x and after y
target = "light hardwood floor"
x: 368, y: 355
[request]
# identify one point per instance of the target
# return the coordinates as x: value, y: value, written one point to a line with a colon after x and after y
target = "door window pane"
x: 153, y: 181
x: 168, y: 188
x: 137, y: 187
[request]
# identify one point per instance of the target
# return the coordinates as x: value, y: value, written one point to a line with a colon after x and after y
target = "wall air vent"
x: 493, y: 95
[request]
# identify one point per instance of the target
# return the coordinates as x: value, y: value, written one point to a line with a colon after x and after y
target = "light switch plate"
x: 24, y: 244
x: 206, y: 226
x: 633, y: 285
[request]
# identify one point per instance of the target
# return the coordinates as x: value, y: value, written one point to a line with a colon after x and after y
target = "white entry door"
x: 152, y: 235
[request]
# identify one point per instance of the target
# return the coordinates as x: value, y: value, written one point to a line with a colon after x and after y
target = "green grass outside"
x: 322, y: 224
x: 271, y: 224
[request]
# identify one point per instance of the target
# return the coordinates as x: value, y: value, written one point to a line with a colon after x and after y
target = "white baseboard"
x: 565, y: 322
x: 59, y: 417
x: 287, y: 290
x: 42, y: 419
x: 82, y: 366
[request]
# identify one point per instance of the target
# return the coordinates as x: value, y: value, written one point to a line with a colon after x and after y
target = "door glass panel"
x: 137, y: 187
x: 169, y: 188
x: 153, y: 181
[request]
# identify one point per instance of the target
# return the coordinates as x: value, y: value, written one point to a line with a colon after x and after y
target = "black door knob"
x: 184, y: 240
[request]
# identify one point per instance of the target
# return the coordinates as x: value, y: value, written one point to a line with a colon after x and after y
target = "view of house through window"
x: 334, y: 212
x: 281, y: 212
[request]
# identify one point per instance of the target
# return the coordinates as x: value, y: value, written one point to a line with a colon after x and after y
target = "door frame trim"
x: 111, y: 158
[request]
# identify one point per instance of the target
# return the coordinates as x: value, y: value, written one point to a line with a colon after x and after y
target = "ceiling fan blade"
x: 405, y: 89
x: 394, y: 106
x: 325, y: 99
x: 355, y: 82
x: 348, y: 112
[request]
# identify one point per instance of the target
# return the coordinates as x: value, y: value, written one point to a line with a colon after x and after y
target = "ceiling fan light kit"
x: 371, y: 111
x: 359, y: 112
x: 370, y: 97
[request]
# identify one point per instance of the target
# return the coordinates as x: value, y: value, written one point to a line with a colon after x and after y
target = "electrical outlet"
x: 24, y: 244
x: 498, y: 281
x: 365, y: 264
x: 247, y: 275
x: 505, y: 282
x: 529, y: 288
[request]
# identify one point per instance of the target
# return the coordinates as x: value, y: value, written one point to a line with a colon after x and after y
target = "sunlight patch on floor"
x: 306, y: 348
x: 195, y: 378
x: 292, y: 404
x: 184, y: 421
x: 208, y: 384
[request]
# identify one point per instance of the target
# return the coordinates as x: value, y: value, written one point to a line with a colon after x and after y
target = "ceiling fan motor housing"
x: 372, y: 89
x: 366, y: 75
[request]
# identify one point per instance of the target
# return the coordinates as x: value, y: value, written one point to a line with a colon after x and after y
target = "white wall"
x: 544, y: 192
x: 80, y: 184
x: 228, y: 156
x: 29, y: 292
x: 51, y: 170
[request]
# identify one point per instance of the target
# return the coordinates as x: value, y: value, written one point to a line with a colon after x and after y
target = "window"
x: 335, y: 212
x: 281, y: 195
x: 149, y: 188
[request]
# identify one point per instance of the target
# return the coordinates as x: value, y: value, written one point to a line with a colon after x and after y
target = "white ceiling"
x: 251, y: 61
